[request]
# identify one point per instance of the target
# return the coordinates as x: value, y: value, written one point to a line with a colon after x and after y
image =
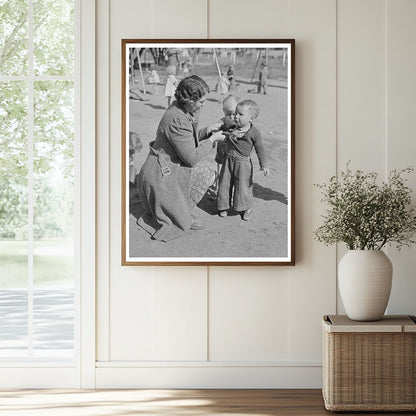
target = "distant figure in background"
x: 263, y: 76
x: 173, y: 58
x: 190, y: 66
x: 185, y: 69
x: 154, y: 79
x: 184, y: 62
x: 171, y: 83
x: 230, y: 76
x: 222, y: 86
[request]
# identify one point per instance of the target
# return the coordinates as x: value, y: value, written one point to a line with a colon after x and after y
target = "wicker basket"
x: 369, y: 366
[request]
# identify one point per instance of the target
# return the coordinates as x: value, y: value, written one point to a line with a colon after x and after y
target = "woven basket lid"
x: 389, y: 323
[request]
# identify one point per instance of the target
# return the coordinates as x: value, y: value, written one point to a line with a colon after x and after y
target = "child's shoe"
x: 247, y: 214
x: 223, y: 214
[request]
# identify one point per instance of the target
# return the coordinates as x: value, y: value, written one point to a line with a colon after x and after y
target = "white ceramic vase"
x: 364, y: 278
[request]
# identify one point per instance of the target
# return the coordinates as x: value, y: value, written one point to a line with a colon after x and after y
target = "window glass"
x: 13, y: 161
x: 13, y: 219
x: 14, y: 318
x: 13, y: 37
x: 53, y: 182
x: 37, y: 181
x: 53, y: 37
x: 53, y: 322
x: 53, y: 226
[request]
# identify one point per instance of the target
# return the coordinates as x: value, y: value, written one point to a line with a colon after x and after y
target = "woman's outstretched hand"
x: 214, y: 127
x: 216, y: 137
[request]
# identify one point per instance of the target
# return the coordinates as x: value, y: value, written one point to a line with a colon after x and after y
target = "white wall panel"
x: 209, y: 377
x: 179, y: 309
x: 401, y: 140
x: 311, y: 282
x: 159, y: 316
x: 263, y: 19
x: 248, y: 314
x: 102, y: 178
x: 180, y: 19
x: 158, y: 19
x: 361, y: 84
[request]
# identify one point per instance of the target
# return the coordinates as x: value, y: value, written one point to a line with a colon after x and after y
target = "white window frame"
x: 88, y: 191
x: 81, y: 372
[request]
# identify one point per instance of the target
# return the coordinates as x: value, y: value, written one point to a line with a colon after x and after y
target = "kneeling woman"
x: 176, y: 174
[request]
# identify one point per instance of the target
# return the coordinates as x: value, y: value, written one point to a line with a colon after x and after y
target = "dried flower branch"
x: 365, y: 215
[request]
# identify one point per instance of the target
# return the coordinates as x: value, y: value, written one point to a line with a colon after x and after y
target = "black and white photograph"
x: 208, y: 152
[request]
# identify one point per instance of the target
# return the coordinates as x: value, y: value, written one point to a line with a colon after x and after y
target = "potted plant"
x: 366, y: 215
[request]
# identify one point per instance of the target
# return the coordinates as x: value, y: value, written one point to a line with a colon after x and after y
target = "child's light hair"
x: 252, y: 106
x: 230, y: 102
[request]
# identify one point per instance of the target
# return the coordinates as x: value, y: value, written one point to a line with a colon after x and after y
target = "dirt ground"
x: 265, y: 235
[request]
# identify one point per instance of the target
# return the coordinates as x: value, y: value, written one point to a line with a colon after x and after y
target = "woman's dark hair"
x: 191, y: 89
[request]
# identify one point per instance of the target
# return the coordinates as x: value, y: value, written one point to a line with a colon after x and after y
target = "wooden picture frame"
x: 155, y: 236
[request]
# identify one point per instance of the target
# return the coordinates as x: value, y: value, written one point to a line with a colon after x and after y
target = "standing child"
x: 237, y: 167
x: 154, y: 79
x: 263, y: 76
x: 171, y: 83
x: 222, y: 86
x: 230, y: 76
x: 227, y: 126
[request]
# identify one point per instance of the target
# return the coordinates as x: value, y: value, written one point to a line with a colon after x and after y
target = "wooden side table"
x: 369, y: 366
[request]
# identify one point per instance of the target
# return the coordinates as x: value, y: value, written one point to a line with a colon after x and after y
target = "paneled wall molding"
x: 88, y: 190
x: 203, y: 364
x: 211, y: 377
x: 103, y: 178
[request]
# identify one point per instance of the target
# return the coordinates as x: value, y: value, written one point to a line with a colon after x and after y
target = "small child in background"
x: 185, y: 69
x: 229, y: 105
x: 154, y: 79
x: 237, y: 166
x: 171, y: 83
x: 263, y: 76
x: 135, y: 145
x: 230, y: 76
x: 222, y: 86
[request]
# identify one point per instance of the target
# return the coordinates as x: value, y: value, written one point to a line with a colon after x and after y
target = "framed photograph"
x: 208, y: 152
